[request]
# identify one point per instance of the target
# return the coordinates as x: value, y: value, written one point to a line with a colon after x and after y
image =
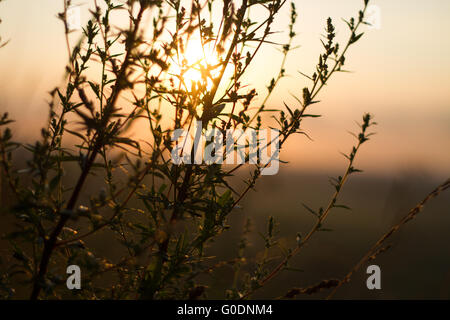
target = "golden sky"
x: 401, y: 74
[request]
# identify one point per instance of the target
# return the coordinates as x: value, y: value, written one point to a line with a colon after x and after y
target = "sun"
x: 198, y: 63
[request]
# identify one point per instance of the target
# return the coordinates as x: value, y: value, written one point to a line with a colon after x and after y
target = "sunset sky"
x: 401, y: 74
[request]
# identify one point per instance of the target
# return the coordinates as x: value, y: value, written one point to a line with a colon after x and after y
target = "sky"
x: 400, y: 73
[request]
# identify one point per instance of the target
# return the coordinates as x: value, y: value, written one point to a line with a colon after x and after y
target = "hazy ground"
x: 418, y: 264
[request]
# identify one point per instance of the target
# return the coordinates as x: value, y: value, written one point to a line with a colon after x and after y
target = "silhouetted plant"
x: 160, y: 215
x: 381, y: 246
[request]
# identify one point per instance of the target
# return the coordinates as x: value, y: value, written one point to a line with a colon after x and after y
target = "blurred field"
x: 416, y: 267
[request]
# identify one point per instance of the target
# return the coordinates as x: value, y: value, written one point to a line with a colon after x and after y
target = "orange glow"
x: 197, y: 64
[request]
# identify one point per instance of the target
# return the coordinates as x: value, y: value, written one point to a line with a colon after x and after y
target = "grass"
x: 161, y: 217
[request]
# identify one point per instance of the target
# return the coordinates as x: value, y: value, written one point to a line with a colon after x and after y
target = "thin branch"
x: 378, y: 247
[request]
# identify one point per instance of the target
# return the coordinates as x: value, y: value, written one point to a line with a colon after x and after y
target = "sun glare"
x: 197, y: 64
